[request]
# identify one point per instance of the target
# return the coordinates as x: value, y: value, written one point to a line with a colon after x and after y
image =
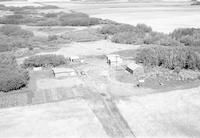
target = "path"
x: 106, y: 111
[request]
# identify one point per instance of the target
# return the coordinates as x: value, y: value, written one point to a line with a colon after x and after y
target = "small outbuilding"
x: 74, y: 59
x: 134, y: 68
x: 37, y: 68
x: 114, y: 59
x: 63, y: 72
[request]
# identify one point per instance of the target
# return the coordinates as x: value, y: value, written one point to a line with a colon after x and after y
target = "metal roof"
x: 133, y: 66
x: 63, y: 70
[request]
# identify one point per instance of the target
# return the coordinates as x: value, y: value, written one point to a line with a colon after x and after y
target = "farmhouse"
x: 63, y: 72
x: 113, y: 59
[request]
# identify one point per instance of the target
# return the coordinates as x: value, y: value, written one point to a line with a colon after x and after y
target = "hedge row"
x: 44, y: 60
x: 170, y: 57
x: 112, y: 29
x: 142, y: 34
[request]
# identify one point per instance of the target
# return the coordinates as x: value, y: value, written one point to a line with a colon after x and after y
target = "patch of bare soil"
x: 92, y: 48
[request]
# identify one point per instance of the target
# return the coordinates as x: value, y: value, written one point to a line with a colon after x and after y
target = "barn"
x: 63, y: 72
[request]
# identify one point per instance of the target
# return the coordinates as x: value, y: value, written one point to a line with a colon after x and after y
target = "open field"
x: 170, y: 114
x: 71, y: 118
x: 92, y: 48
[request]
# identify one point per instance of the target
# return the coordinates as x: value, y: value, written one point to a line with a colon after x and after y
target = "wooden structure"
x: 114, y: 59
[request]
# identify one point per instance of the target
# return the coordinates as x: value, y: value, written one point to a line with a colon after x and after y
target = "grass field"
x: 64, y: 119
x: 170, y: 114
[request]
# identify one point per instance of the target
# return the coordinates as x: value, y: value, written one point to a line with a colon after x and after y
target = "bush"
x: 170, y: 57
x: 160, y: 39
x: 48, y: 22
x: 44, y: 60
x: 143, y: 28
x: 179, y: 33
x: 127, y: 38
x: 153, y: 38
x: 12, y: 19
x: 94, y: 21
x: 187, y: 36
x: 13, y: 43
x: 17, y: 31
x: 193, y: 40
x: 51, y: 15
x: 127, y: 34
x: 74, y: 19
x: 12, y: 77
x: 53, y: 37
x: 113, y: 29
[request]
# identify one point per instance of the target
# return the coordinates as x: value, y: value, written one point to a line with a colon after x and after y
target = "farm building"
x: 75, y: 59
x: 113, y: 59
x: 37, y: 68
x: 134, y: 68
x: 63, y: 72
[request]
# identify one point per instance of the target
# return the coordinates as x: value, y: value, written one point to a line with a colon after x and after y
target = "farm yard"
x: 74, y: 69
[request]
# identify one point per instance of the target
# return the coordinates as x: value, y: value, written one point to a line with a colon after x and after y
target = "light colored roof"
x: 63, y: 70
x: 65, y: 74
x: 133, y: 66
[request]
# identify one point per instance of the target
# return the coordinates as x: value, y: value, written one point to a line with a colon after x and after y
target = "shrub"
x: 13, y: 30
x: 11, y: 43
x: 127, y: 38
x: 44, y: 60
x: 74, y: 19
x: 170, y: 57
x: 160, y: 39
x: 12, y: 19
x: 113, y: 29
x: 187, y: 36
x: 193, y: 40
x: 53, y: 37
x: 109, y: 29
x: 51, y: 15
x: 143, y: 28
x: 94, y: 21
x: 168, y: 41
x: 12, y: 77
x: 48, y: 22
x: 179, y: 33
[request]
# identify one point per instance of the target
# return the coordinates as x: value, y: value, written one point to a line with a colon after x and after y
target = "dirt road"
x: 105, y: 109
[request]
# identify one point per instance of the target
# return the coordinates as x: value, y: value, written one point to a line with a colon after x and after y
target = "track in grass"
x: 106, y: 111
